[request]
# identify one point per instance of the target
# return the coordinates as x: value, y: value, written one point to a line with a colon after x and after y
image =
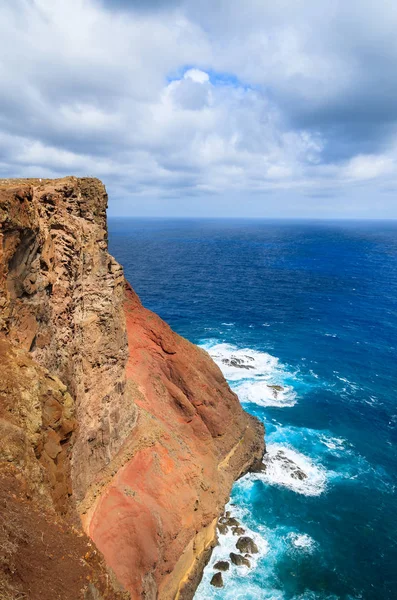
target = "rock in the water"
x: 237, y: 362
x: 276, y: 389
x: 222, y: 565
x: 217, y: 580
x: 229, y: 521
x: 222, y: 528
x: 238, y: 531
x: 239, y: 560
x: 247, y: 545
x: 294, y: 471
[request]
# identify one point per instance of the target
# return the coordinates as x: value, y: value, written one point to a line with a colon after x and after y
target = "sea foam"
x: 288, y: 468
x: 256, y: 377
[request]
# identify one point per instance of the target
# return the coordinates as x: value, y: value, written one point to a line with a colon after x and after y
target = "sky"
x: 216, y: 108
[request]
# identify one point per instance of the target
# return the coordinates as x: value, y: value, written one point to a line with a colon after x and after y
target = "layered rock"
x: 157, y: 436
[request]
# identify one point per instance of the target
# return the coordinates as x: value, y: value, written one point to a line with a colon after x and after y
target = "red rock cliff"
x: 159, y: 435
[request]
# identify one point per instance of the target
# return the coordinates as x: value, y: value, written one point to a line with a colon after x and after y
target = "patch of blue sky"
x: 217, y: 78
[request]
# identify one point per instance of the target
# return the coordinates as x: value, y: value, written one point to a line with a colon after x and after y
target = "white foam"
x: 283, y: 465
x: 226, y: 545
x: 227, y: 542
x: 262, y: 393
x: 237, y: 364
x: 256, y: 377
x: 302, y: 541
x: 333, y: 443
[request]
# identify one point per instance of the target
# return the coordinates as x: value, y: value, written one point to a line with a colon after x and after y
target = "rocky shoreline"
x: 245, y: 546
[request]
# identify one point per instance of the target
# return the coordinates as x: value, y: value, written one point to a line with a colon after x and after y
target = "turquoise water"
x: 311, y: 307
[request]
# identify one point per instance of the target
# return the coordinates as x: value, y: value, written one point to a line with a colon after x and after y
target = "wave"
x: 301, y: 541
x: 289, y: 468
x: 237, y: 364
x: 256, y: 377
x: 235, y: 576
x: 261, y: 393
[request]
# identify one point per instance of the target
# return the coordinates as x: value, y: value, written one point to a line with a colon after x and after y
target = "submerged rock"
x: 217, y: 580
x: 238, y: 531
x: 276, y: 389
x: 239, y: 560
x: 237, y: 362
x: 294, y: 471
x: 222, y: 565
x: 229, y: 522
x: 222, y: 528
x: 247, y: 545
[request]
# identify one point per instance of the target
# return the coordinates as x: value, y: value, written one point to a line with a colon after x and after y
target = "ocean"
x: 310, y: 307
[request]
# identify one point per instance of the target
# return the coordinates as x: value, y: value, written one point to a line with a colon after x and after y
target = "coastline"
x: 159, y: 437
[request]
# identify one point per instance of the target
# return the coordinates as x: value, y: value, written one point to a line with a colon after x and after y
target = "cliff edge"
x: 128, y: 425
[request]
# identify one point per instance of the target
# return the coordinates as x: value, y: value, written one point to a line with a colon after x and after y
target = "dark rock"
x: 298, y: 474
x: 237, y: 362
x: 247, y: 545
x: 238, y: 531
x: 217, y: 580
x: 259, y: 467
x: 239, y: 560
x: 276, y: 389
x: 294, y: 471
x: 222, y: 528
x: 222, y: 565
x: 229, y: 521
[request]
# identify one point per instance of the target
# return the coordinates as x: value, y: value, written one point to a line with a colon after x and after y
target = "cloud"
x: 363, y: 167
x: 168, y: 100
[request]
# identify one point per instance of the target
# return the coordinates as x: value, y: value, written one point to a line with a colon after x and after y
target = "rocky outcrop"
x: 134, y: 427
x: 43, y: 552
x: 36, y: 424
x: 61, y: 298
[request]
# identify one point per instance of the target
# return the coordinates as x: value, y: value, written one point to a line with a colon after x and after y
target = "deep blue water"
x: 311, y: 306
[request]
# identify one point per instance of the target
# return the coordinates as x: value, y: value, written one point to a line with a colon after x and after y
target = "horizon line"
x: 207, y: 218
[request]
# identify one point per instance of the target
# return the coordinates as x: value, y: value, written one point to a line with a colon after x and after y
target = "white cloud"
x: 369, y: 166
x: 197, y: 75
x: 212, y: 99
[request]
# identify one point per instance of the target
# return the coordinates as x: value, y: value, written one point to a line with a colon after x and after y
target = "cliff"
x: 120, y: 420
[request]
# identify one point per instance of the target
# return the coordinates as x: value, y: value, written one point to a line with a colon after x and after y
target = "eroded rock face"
x: 61, y: 298
x: 160, y: 436
x: 36, y: 424
x: 43, y: 552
